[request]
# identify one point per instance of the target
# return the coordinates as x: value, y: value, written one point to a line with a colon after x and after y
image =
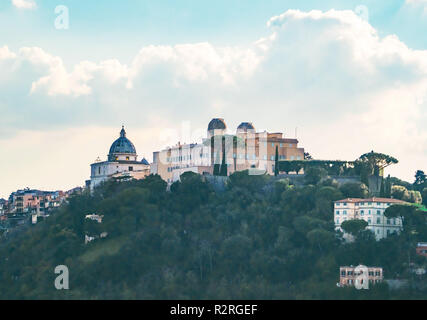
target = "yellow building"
x: 245, y: 149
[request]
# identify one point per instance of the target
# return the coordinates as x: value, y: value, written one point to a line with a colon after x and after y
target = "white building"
x: 246, y: 149
x: 122, y: 162
x: 372, y: 211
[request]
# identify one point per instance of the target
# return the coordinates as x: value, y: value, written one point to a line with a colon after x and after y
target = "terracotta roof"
x: 373, y: 199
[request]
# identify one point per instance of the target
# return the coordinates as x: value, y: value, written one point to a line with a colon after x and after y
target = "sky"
x: 345, y: 77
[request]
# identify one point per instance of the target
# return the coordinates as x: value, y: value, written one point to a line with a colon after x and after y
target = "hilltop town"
x: 259, y: 192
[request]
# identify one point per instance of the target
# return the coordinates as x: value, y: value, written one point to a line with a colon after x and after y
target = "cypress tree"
x: 387, y: 187
x: 223, y: 171
x: 382, y: 190
x: 276, y: 162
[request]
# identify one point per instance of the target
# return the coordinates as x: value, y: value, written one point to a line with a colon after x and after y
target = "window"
x: 265, y: 157
x: 344, y: 204
x: 272, y: 144
x: 338, y: 212
x: 127, y: 158
x: 272, y: 158
x: 130, y: 168
x: 338, y: 221
x: 378, y: 220
x: 378, y: 211
x: 362, y: 212
x: 344, y: 212
x: 290, y: 145
x: 281, y: 145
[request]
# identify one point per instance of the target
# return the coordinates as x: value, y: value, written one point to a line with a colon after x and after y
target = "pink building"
x: 349, y: 275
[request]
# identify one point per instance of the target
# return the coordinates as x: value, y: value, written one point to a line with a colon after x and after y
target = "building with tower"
x: 122, y: 162
x: 245, y: 149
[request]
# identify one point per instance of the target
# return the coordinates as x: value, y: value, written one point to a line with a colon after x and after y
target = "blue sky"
x: 156, y: 64
x: 119, y: 28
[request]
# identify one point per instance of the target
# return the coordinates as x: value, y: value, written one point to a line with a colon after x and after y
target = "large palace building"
x: 122, y: 162
x: 246, y: 149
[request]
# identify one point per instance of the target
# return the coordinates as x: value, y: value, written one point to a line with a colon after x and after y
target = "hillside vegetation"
x: 260, y: 239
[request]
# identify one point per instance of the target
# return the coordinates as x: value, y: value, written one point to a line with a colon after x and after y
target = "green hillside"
x: 260, y: 239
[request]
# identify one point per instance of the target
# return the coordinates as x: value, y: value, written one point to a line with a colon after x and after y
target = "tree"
x: 224, y: 169
x: 420, y: 180
x: 382, y: 189
x: 276, y: 162
x: 399, y: 211
x: 354, y: 190
x: 387, y: 187
x: 424, y: 196
x: 354, y: 226
x: 322, y: 238
x: 314, y: 175
x: 307, y: 156
x: 401, y: 193
x: 377, y: 162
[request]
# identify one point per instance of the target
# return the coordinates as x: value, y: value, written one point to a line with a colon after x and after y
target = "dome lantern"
x: 122, y: 147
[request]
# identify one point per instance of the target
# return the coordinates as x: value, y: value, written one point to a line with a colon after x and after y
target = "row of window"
x: 364, y: 204
x: 280, y: 145
x: 378, y: 221
x: 362, y: 212
x: 351, y: 273
x: 241, y: 156
x: 351, y: 281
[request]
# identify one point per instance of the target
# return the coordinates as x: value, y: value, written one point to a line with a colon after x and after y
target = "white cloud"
x: 6, y: 54
x: 348, y: 89
x: 24, y: 4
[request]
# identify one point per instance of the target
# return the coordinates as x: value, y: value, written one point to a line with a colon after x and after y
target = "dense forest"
x: 262, y: 238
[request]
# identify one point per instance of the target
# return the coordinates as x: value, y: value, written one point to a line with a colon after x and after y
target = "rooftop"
x: 373, y: 199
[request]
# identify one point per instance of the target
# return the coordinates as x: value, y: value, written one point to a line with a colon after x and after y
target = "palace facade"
x: 372, y: 211
x: 246, y: 149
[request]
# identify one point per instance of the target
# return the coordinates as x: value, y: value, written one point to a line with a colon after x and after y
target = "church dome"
x: 246, y: 126
x: 217, y: 124
x: 122, y: 145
